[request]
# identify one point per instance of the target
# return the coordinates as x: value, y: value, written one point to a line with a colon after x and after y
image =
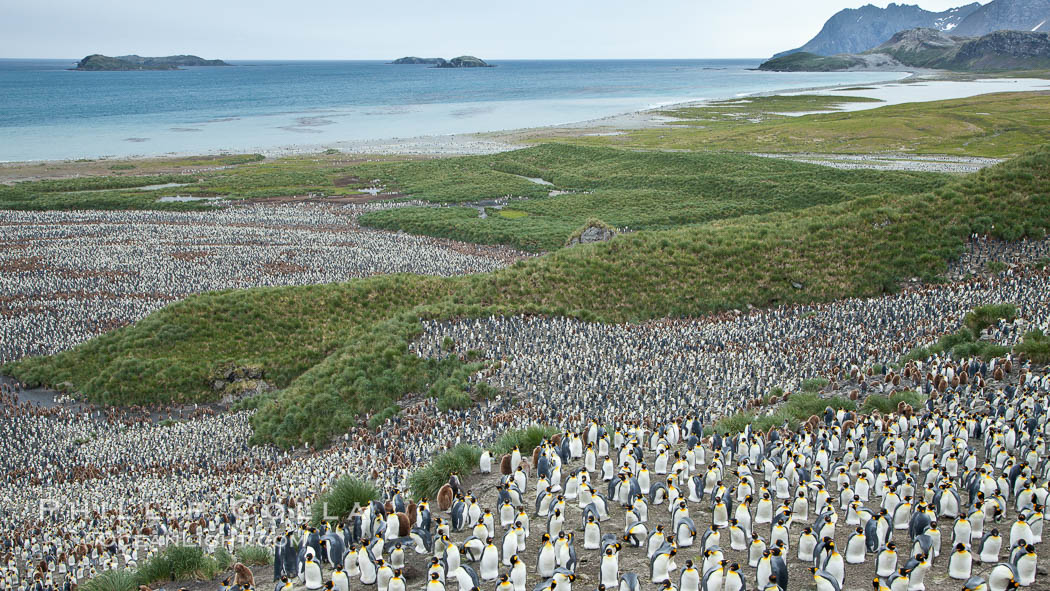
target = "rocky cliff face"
x: 860, y: 29
x: 1013, y: 15
x: 1004, y: 50
x: 922, y: 48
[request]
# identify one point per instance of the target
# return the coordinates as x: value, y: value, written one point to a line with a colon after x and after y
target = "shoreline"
x: 436, y: 145
x: 496, y: 141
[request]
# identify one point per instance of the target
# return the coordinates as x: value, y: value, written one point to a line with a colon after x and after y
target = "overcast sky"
x: 385, y: 29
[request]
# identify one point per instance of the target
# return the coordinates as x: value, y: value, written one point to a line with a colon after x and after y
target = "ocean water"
x: 48, y: 112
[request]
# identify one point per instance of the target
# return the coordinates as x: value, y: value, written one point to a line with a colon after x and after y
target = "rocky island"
x: 415, y: 61
x: 463, y: 61
x: 124, y: 63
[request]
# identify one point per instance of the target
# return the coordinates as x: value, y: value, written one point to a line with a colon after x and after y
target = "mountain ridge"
x: 931, y: 49
x: 1010, y: 15
x: 855, y: 30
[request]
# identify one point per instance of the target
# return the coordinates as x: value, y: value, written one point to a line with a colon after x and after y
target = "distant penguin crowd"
x: 66, y: 277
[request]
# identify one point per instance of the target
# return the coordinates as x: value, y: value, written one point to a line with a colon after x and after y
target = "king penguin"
x: 960, y: 563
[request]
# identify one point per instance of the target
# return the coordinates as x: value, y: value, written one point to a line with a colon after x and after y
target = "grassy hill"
x: 341, y: 350
x: 811, y: 62
x: 635, y: 190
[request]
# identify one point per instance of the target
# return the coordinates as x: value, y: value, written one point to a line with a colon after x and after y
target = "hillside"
x: 811, y: 62
x: 413, y: 60
x: 360, y: 362
x: 640, y: 191
x: 98, y: 63
x: 172, y: 60
x: 805, y: 61
x: 1003, y: 50
x: 104, y: 63
x: 855, y: 30
x: 932, y: 49
x: 1014, y: 15
x: 925, y: 48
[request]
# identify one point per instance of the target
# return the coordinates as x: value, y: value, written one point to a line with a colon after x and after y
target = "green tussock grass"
x: 798, y: 408
x: 181, y: 563
x: 813, y: 384
x: 994, y: 125
x: 337, y: 351
x: 254, y: 556
x: 426, y: 481
x: 99, y: 192
x: 640, y: 191
x: 338, y: 501
x: 983, y: 317
x: 177, y: 563
x: 525, y: 440
x: 965, y: 341
x: 1036, y: 346
x: 441, y: 180
x: 377, y: 420
x: 887, y: 404
x: 176, y: 351
x: 112, y: 580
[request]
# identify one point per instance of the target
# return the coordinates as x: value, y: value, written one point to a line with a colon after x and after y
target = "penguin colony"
x: 66, y: 277
x: 995, y: 419
x: 949, y: 495
x: 720, y: 364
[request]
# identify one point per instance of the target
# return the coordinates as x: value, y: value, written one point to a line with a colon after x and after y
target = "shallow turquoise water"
x: 49, y: 112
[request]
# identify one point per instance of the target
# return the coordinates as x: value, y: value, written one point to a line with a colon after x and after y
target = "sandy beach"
x: 919, y: 87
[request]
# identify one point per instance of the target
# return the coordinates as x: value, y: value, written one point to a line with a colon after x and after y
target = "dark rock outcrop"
x: 592, y: 231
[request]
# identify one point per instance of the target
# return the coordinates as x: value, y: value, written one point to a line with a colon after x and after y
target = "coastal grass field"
x: 628, y: 190
x: 340, y: 351
x: 993, y: 125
